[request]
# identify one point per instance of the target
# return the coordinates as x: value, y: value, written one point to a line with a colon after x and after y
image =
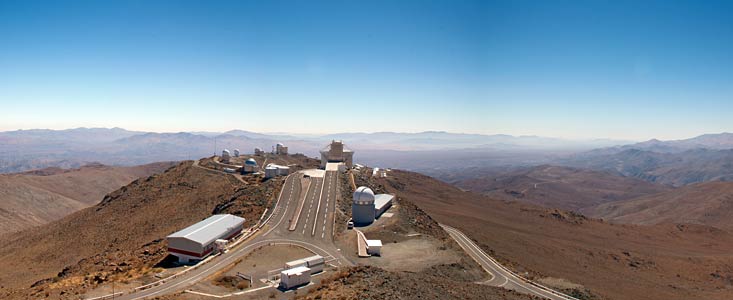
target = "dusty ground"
x: 661, y: 262
x: 37, y: 197
x: 418, y: 259
x: 259, y: 264
x: 402, y: 250
x: 122, y: 238
x: 709, y: 203
x: 367, y: 282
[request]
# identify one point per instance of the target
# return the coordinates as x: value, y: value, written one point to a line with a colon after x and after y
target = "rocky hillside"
x: 671, y: 168
x: 608, y: 261
x: 445, y: 280
x: 560, y: 187
x: 37, y: 197
x: 124, y: 233
x: 365, y: 282
x: 709, y: 203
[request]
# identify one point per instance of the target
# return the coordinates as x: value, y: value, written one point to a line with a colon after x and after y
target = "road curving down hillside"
x: 275, y: 230
x: 501, y: 276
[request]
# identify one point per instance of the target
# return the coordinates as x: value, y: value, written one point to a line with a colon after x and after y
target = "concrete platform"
x: 314, y: 173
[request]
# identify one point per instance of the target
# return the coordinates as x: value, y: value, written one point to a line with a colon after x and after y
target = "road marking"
x: 310, y: 208
x: 294, y: 220
x: 230, y: 258
x: 280, y: 207
x: 318, y: 209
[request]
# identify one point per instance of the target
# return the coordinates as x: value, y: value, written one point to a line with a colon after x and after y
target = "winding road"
x: 501, y: 276
x: 317, y: 238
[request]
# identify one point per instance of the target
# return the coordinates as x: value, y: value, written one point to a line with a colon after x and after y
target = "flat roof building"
x: 294, y: 277
x: 382, y: 202
x: 315, y: 263
x: 374, y: 247
x: 272, y: 170
x: 197, y: 241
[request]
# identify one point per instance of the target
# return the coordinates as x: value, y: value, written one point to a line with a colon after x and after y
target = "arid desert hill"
x: 657, y: 262
x: 37, y: 197
x: 559, y: 187
x: 123, y: 234
x: 709, y: 203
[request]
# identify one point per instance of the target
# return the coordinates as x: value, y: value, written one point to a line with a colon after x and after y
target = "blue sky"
x: 574, y: 69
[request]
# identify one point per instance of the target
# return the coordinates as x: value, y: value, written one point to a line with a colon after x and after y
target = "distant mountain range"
x: 704, y: 158
x: 611, y: 197
x: 709, y: 203
x: 558, y: 187
x: 40, y: 148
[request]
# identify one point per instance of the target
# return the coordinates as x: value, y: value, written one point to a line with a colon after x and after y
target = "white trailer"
x: 294, y: 277
x: 374, y: 247
x: 315, y: 263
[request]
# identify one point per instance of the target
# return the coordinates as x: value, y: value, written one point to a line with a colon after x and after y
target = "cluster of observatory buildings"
x: 250, y: 165
x: 211, y: 235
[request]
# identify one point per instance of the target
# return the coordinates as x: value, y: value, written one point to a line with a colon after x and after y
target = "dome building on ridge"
x: 225, y: 156
x: 249, y: 166
x: 367, y: 206
x: 362, y: 209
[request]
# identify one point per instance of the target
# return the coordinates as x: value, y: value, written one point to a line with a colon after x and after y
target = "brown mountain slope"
x: 709, y: 203
x: 368, y: 282
x: 38, y: 197
x: 560, y: 187
x: 612, y: 261
x: 125, y: 232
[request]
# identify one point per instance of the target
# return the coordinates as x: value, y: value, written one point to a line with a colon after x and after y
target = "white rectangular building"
x: 273, y: 170
x: 374, y: 247
x: 382, y: 202
x: 294, y: 277
x: 198, y: 240
x: 315, y: 263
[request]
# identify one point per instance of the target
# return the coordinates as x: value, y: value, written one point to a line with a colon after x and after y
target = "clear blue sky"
x: 576, y: 69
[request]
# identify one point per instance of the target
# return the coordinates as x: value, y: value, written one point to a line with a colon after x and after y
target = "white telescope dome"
x: 364, y: 195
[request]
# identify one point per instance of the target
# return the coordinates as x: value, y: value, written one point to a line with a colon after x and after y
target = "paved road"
x: 315, y: 223
x: 314, y: 233
x: 501, y: 276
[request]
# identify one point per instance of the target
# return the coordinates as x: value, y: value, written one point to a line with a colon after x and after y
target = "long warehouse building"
x: 198, y: 240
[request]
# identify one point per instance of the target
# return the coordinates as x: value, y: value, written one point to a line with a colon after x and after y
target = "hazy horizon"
x: 573, y: 70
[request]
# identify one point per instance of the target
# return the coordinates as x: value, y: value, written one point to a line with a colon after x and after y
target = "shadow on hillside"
x: 171, y: 261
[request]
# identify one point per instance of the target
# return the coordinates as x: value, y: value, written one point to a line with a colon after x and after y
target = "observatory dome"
x: 364, y: 195
x: 250, y: 161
